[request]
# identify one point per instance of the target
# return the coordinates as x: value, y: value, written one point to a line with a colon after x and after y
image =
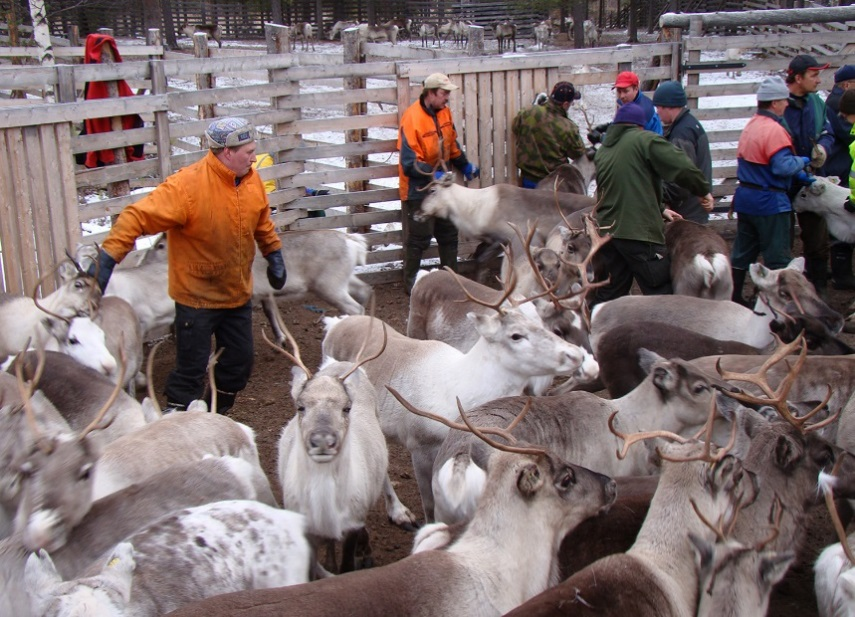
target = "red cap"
x: 625, y: 80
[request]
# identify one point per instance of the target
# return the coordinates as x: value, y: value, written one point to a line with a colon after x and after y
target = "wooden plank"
x: 24, y: 222
x: 322, y: 202
x: 723, y: 113
x: 65, y: 169
x: 41, y: 156
x: 513, y: 105
x: 71, y: 112
x: 349, y: 220
x: 470, y: 116
x: 485, y: 122
x: 539, y: 81
x: 55, y: 205
x: 376, y: 146
x: 344, y: 175
x: 499, y: 137
x: 8, y: 235
x: 345, y: 123
x: 763, y: 41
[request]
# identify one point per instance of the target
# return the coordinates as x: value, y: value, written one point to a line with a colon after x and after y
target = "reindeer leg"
x: 356, y: 551
x: 398, y: 513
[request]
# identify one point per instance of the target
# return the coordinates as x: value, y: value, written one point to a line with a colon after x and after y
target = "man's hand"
x: 670, y: 215
x: 595, y: 136
x: 848, y: 205
x: 470, y: 172
x: 805, y: 178
x: 818, y: 156
x: 103, y: 269
x: 805, y: 160
x: 708, y: 202
x: 439, y: 175
x: 276, y: 273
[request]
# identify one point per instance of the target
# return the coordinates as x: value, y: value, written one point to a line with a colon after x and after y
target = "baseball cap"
x: 230, y: 133
x: 631, y: 113
x: 625, y: 80
x: 773, y: 89
x: 804, y: 62
x: 564, y: 91
x: 438, y: 80
x: 844, y: 73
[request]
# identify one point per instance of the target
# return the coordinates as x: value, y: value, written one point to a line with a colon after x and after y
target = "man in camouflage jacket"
x: 545, y: 137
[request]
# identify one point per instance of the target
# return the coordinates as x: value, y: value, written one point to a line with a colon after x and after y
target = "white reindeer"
x: 835, y: 582
x: 431, y: 374
x: 332, y: 454
x: 184, y: 557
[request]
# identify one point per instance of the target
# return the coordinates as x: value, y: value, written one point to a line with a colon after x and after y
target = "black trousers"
x: 232, y: 331
x: 625, y: 260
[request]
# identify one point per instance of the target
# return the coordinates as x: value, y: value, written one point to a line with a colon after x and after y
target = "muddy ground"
x: 266, y: 406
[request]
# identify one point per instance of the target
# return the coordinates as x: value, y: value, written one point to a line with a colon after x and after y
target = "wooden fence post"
x: 279, y: 42
x: 475, y: 41
x: 74, y: 36
x: 204, y: 81
x: 66, y: 91
x: 350, y: 42
x: 696, y: 28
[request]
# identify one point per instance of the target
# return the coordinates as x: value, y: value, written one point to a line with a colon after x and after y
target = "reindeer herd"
x: 657, y: 456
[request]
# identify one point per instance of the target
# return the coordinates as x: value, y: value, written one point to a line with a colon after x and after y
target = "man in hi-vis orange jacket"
x: 214, y: 212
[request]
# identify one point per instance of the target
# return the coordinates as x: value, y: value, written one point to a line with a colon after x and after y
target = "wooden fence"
x: 330, y: 122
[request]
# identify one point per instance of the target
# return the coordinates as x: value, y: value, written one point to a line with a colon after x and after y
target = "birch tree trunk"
x: 41, y: 32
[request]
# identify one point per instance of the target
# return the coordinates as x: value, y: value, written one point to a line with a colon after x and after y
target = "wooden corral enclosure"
x: 330, y: 121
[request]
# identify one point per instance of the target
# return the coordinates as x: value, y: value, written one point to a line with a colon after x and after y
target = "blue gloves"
x: 103, y: 269
x: 848, y: 205
x: 439, y: 175
x: 470, y: 171
x: 805, y: 178
x: 276, y: 274
x: 806, y: 160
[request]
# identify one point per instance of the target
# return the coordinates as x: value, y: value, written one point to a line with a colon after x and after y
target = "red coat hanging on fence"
x: 98, y: 90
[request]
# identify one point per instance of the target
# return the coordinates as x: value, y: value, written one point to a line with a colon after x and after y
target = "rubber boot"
x: 738, y: 277
x: 841, y: 266
x: 412, y: 263
x: 225, y: 401
x: 817, y: 273
x: 448, y: 256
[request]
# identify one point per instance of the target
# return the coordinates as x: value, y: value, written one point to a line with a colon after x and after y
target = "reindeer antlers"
x: 480, y: 432
x: 295, y: 358
x: 777, y: 398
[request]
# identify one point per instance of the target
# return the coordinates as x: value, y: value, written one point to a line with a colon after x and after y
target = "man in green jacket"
x: 631, y: 165
x: 545, y: 137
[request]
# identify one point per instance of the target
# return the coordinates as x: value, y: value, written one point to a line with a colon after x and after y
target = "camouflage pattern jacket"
x: 545, y: 138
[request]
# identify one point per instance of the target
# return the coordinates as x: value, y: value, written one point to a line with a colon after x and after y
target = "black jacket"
x: 838, y: 163
x: 687, y: 134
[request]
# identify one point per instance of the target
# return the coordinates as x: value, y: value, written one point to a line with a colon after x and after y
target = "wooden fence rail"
x: 303, y: 104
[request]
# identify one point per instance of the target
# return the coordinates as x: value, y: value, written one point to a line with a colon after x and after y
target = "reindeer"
x: 826, y: 198
x: 373, y: 34
x: 486, y: 213
x: 531, y: 500
x: 427, y: 30
x: 700, y: 265
x: 306, y: 33
x: 117, y: 516
x: 781, y: 291
x: 591, y: 33
x: 506, y: 33
x: 656, y: 575
x: 77, y: 296
x: 444, y: 31
x: 339, y: 27
x: 510, y: 351
x: 211, y: 31
x: 405, y: 26
x: 332, y: 454
x: 674, y: 397
x: 835, y: 581
x: 228, y: 546
x: 542, y: 34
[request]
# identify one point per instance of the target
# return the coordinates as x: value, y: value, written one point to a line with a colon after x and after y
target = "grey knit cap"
x: 772, y: 89
x: 230, y: 133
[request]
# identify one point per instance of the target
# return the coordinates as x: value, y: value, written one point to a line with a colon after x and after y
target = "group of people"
x: 653, y: 164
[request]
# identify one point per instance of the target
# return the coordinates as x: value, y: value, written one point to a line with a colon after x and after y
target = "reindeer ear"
x: 118, y: 572
x: 299, y: 379
x: 787, y: 453
x: 40, y: 579
x: 647, y: 358
x: 797, y: 264
x: 760, y: 275
x: 704, y: 553
x: 773, y: 566
x: 67, y: 271
x: 529, y: 479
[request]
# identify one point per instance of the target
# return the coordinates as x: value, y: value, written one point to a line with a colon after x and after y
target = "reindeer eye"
x: 567, y: 480
x: 85, y: 472
x: 301, y: 409
x: 517, y: 337
x: 346, y: 409
x: 73, y: 340
x: 79, y: 284
x: 784, y: 293
x: 699, y: 388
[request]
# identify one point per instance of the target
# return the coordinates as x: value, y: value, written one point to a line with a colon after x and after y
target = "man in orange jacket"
x: 214, y: 212
x: 426, y: 139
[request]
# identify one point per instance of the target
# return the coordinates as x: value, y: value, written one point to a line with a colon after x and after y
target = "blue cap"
x: 631, y: 113
x: 844, y: 73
